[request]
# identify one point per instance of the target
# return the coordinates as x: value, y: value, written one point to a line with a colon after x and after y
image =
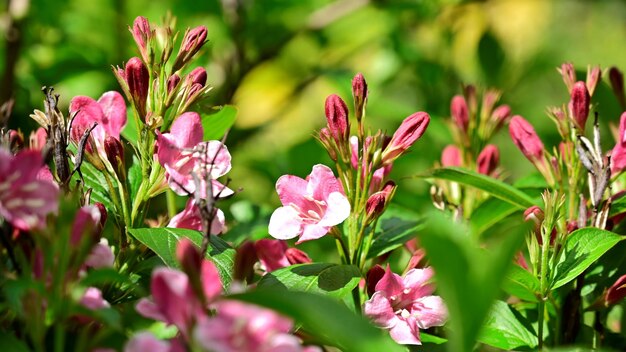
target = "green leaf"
x: 582, y: 248
x: 394, y: 228
x: 504, y: 329
x: 8, y: 342
x: 326, y: 319
x: 95, y: 180
x: 163, y: 242
x: 488, y: 184
x: 520, y: 283
x: 215, y: 125
x: 463, y: 266
x: 618, y: 206
x: 134, y: 177
x: 323, y: 278
x: 489, y: 213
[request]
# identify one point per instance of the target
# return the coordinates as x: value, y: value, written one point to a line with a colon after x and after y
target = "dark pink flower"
x: 459, y: 112
x: 38, y: 139
x: 526, y: 139
x: 191, y: 218
x: 579, y: 105
x: 451, y: 156
x: 109, y: 112
x: 138, y: 80
x: 182, y: 152
x: 404, y: 305
x: 142, y: 34
x: 411, y: 129
x: 311, y: 207
x: 618, y: 154
x: 337, y: 118
x: 488, y: 160
x: 271, y: 254
x: 86, y: 224
x: 245, y: 327
x: 25, y: 199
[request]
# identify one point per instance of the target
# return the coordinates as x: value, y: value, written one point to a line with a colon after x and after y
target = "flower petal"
x: 187, y: 130
x: 338, y: 209
x: 430, y: 311
x: 291, y: 190
x: 285, y: 223
x: 313, y: 232
x: 417, y: 279
x: 271, y: 253
x: 379, y: 309
x: 87, y: 112
x: 114, y: 112
x: 390, y: 284
x: 405, y: 332
x: 322, y: 182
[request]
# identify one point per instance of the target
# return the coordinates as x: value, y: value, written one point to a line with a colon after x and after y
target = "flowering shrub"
x: 99, y: 252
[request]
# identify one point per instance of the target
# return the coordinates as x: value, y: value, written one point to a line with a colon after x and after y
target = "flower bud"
x: 296, y: 256
x: 172, y: 83
x: 534, y: 214
x: 501, y: 114
x: 459, y: 112
x: 193, y: 41
x: 138, y: 80
x: 115, y: 154
x: 579, y: 105
x: 372, y: 277
x: 594, y: 74
x: 86, y: 223
x: 377, y: 202
x: 451, y: 156
x: 142, y: 34
x: 488, y: 160
x: 245, y: 257
x: 188, y: 255
x: 617, y: 84
x: 411, y: 129
x: 616, y: 292
x: 359, y: 93
x: 569, y: 75
x: 38, y: 139
x: 198, y: 76
x: 526, y: 139
x: 103, y: 213
x: 327, y: 141
x: 16, y: 139
x: 337, y: 118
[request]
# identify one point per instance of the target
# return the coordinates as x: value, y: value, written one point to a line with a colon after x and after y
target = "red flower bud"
x: 617, y: 84
x: 142, y: 34
x: 86, y: 224
x: 244, y: 262
x: 296, y: 256
x: 377, y: 202
x: 616, y: 292
x: 198, y: 76
x: 451, y: 156
x: 103, y: 213
x: 411, y: 129
x: 579, y: 104
x: 459, y: 112
x: 594, y: 74
x: 337, y: 118
x: 138, y: 80
x: 501, y: 114
x: 534, y: 214
x: 188, y: 255
x: 526, y: 139
x: 569, y: 75
x: 172, y: 83
x: 372, y: 277
x: 359, y: 93
x: 115, y: 154
x: 193, y: 41
x: 488, y: 160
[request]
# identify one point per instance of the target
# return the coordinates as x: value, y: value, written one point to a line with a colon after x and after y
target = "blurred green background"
x: 277, y: 60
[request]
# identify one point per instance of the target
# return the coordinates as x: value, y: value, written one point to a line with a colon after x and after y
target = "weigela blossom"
x: 183, y: 153
x: 25, y: 199
x: 311, y: 207
x: 191, y: 218
x: 404, y: 305
x: 275, y: 254
x: 109, y: 112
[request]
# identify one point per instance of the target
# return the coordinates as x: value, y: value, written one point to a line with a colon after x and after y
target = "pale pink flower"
x: 311, y: 207
x: 190, y: 218
x: 109, y: 112
x: 404, y: 305
x: 101, y: 255
x: 245, y: 327
x: 25, y: 199
x: 183, y: 153
x: 92, y: 299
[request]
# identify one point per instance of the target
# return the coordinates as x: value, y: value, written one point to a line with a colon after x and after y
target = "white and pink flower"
x: 404, y: 305
x: 311, y: 207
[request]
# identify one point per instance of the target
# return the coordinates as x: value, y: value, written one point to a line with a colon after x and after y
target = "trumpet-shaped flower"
x: 311, y: 207
x: 404, y: 305
x: 25, y: 199
x: 183, y: 154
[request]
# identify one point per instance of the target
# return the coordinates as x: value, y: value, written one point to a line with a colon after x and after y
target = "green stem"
x: 171, y: 203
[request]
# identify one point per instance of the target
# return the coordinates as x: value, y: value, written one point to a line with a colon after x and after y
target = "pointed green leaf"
x: 323, y: 278
x: 504, y: 329
x: 489, y: 213
x: 488, y: 184
x: 394, y: 228
x: 216, y: 124
x: 520, y: 283
x: 163, y: 242
x: 582, y: 248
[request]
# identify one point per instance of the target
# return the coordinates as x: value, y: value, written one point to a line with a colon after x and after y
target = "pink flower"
x: 25, y: 200
x: 459, y: 112
x: 311, y: 207
x: 403, y: 305
x: 488, y: 160
x: 145, y: 341
x: 183, y: 153
x: 525, y: 138
x: 92, y: 299
x: 109, y: 112
x: 101, y: 255
x: 275, y: 254
x: 190, y: 218
x: 618, y: 155
x: 245, y: 327
x: 616, y: 292
x: 337, y: 118
x: 451, y: 156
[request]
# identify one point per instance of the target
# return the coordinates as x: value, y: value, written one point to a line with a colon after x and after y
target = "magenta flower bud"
x: 501, y: 114
x: 569, y: 75
x: 617, y: 84
x: 579, y: 104
x: 86, y: 224
x: 359, y: 93
x: 188, y: 255
x: 451, y: 156
x: 245, y: 258
x: 138, y: 81
x: 411, y: 129
x: 172, y: 83
x: 616, y: 292
x: 103, y: 213
x: 327, y: 141
x: 525, y: 138
x: 296, y: 256
x: 594, y: 74
x: 488, y: 160
x: 459, y: 112
x: 534, y: 214
x: 193, y: 41
x: 377, y: 202
x: 337, y: 118
x: 115, y: 153
x: 142, y: 34
x: 198, y: 76
x: 372, y: 277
